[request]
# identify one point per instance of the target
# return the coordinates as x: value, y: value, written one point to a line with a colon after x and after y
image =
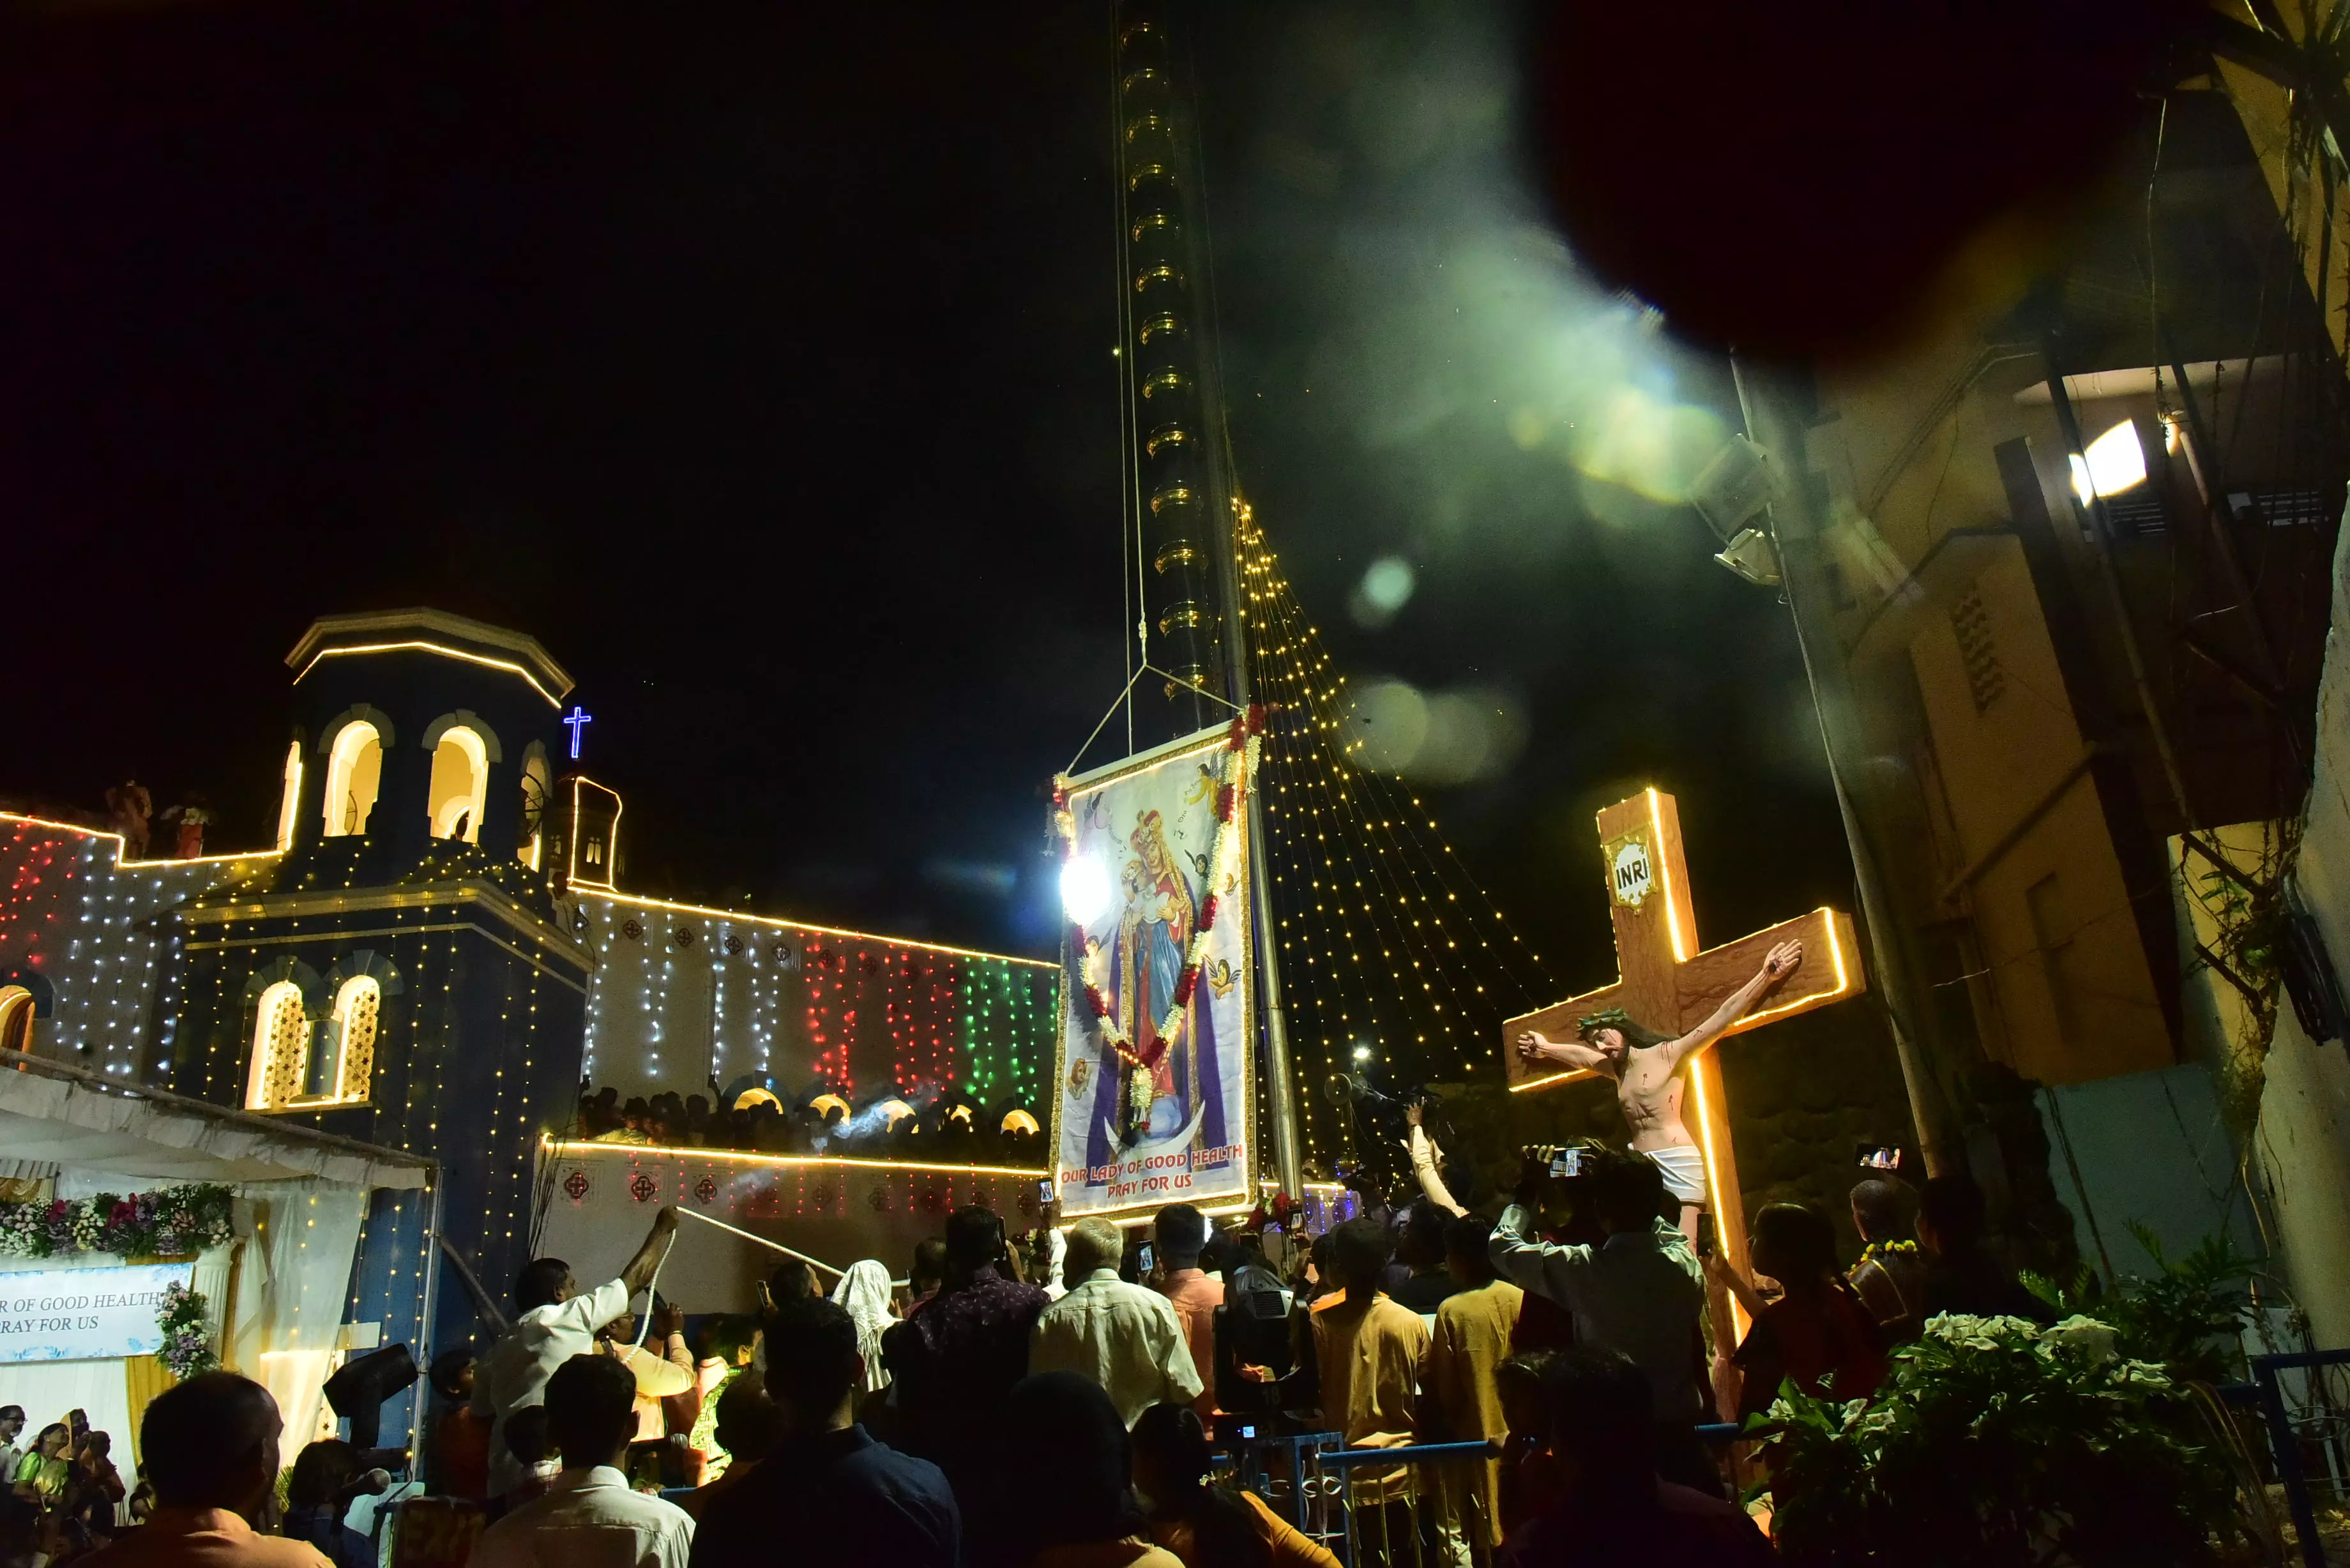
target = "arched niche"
x: 354, y: 778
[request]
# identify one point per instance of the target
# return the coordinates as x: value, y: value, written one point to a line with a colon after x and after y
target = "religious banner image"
x: 1154, y: 1077
x: 81, y: 1314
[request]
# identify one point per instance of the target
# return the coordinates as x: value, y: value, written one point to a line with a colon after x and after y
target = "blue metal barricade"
x: 2320, y: 1421
x: 1422, y: 1505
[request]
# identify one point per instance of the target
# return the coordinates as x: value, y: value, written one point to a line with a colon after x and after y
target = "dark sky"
x: 757, y: 362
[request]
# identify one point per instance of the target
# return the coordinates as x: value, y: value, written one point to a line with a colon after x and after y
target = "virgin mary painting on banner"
x: 1154, y: 1070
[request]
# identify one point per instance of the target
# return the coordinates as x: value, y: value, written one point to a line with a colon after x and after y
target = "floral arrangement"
x: 1995, y: 1443
x: 1239, y: 753
x: 168, y: 1222
x: 187, y: 1347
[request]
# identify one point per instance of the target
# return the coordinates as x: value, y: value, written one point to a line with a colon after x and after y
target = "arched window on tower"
x: 348, y: 1061
x: 460, y: 784
x: 16, y: 1018
x: 354, y: 773
x: 281, y: 1049
x: 536, y: 796
x: 289, y: 807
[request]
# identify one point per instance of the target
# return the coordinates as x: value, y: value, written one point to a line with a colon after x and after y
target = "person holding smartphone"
x: 1640, y: 1292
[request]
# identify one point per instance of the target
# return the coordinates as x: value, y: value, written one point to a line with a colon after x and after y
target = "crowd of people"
x: 950, y: 1129
x: 1071, y: 1397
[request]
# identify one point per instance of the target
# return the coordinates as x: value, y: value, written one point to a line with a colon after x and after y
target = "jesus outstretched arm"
x: 1535, y: 1047
x: 1777, y: 965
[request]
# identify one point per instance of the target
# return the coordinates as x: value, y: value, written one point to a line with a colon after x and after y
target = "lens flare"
x: 1085, y: 889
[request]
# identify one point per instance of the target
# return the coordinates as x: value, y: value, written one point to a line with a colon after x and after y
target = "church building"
x: 437, y: 957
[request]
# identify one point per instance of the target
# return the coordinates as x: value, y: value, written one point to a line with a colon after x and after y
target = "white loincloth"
x: 1684, y: 1167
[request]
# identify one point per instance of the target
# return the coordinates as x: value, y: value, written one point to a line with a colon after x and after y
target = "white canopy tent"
x: 276, y: 1294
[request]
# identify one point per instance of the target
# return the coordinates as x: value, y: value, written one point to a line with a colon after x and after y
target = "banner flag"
x: 1155, y: 1076
x: 78, y: 1314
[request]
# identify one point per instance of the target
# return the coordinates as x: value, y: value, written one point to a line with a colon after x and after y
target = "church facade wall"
x: 682, y: 998
x: 476, y: 1057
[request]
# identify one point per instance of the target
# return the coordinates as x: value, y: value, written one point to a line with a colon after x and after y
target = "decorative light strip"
x: 572, y: 1148
x: 1664, y: 875
x: 119, y: 845
x: 440, y: 647
x: 643, y: 903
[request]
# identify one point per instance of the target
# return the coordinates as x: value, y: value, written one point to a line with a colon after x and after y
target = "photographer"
x: 1640, y: 1292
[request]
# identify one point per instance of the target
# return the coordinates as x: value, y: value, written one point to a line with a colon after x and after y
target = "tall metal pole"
x: 1185, y: 491
x: 1895, y: 979
x: 1281, y: 1097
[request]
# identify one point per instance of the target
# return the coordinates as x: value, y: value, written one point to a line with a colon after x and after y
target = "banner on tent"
x: 1153, y: 1080
x: 84, y: 1315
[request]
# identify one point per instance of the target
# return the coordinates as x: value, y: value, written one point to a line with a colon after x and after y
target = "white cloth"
x: 1638, y: 1293
x: 514, y: 1376
x: 1056, y: 1250
x: 1683, y: 1165
x: 864, y: 1293
x: 588, y: 1519
x: 1125, y: 1337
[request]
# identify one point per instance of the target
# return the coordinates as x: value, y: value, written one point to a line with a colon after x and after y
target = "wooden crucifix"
x: 1669, y: 986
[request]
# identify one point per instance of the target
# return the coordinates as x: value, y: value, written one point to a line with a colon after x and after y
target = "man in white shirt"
x: 1125, y: 1337
x: 557, y: 1321
x: 12, y: 1426
x: 589, y: 1518
x: 1640, y: 1292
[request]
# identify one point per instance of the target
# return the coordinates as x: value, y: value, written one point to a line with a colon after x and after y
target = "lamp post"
x: 1790, y: 535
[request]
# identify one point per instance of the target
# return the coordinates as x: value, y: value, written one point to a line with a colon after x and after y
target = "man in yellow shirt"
x: 1368, y: 1351
x: 1464, y: 1402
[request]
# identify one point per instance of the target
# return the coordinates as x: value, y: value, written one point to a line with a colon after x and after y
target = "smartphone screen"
x: 1145, y: 1260
x: 1567, y: 1162
x: 1045, y: 1190
x: 1874, y: 1156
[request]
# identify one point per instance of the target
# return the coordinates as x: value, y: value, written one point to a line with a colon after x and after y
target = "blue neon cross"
x: 578, y: 720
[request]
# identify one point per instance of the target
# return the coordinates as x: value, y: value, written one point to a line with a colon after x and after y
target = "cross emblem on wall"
x: 1668, y: 984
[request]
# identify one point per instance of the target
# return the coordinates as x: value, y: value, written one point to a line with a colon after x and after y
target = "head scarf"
x: 864, y: 1293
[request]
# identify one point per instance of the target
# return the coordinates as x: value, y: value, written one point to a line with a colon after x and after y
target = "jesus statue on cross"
x: 1646, y: 1067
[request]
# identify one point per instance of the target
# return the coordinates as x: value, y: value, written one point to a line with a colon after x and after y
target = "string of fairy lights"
x: 806, y: 1007
x: 1393, y: 959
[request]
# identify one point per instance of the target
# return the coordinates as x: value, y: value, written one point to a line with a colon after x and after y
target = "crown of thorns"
x: 1613, y: 1017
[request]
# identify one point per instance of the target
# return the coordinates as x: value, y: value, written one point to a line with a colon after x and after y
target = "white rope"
x: 652, y: 1291
x: 778, y: 1246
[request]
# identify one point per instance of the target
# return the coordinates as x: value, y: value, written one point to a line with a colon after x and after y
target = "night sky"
x: 757, y: 362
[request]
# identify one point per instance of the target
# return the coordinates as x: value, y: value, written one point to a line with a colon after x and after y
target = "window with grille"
x: 358, y: 1008
x: 281, y: 1048
x: 1986, y: 680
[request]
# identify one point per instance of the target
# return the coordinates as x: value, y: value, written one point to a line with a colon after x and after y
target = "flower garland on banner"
x: 169, y: 1222
x: 187, y: 1348
x: 1241, y: 745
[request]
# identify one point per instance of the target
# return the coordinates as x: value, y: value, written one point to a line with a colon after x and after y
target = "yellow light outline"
x: 611, y: 850
x: 440, y: 647
x: 780, y: 923
x: 121, y: 844
x: 572, y: 1148
x: 1664, y: 874
x: 1816, y: 999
